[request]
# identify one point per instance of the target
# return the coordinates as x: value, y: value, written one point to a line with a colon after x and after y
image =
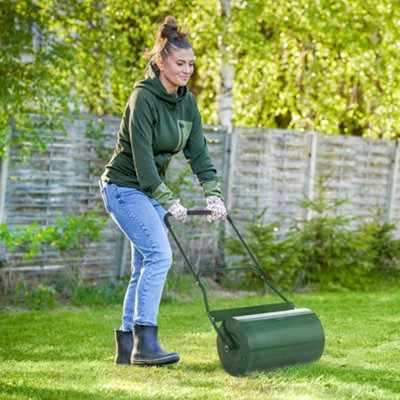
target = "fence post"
x: 3, y: 185
x: 311, y: 166
x: 393, y: 176
x: 230, y: 151
x: 122, y: 255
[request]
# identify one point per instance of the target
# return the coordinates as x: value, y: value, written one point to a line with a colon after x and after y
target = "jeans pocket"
x: 105, y: 200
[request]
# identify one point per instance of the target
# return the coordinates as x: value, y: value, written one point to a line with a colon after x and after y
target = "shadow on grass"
x: 201, y: 367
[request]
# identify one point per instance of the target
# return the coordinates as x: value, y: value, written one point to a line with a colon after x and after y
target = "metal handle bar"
x: 218, y: 315
x: 229, y: 219
x: 189, y: 212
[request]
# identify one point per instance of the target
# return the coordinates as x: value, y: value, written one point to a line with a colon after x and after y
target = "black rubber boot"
x: 124, y: 346
x: 147, y: 350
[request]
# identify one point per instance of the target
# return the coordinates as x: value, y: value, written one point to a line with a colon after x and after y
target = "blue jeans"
x: 141, y: 219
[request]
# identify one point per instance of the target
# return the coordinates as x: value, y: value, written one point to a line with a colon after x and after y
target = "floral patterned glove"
x: 217, y: 208
x: 178, y: 211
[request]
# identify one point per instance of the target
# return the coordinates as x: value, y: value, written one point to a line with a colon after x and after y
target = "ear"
x: 160, y: 63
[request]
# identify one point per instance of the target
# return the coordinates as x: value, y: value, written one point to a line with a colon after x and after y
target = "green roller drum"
x: 264, y: 336
x: 270, y: 340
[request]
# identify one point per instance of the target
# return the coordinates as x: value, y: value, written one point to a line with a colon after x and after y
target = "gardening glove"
x: 178, y: 211
x: 217, y: 208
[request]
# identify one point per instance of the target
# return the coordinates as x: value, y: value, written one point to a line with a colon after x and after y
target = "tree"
x: 322, y: 65
x: 226, y: 72
x: 34, y: 68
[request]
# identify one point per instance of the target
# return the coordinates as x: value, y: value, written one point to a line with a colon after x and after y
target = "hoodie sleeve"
x: 196, y: 152
x: 141, y: 138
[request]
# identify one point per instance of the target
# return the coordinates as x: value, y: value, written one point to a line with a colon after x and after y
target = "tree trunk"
x: 225, y: 95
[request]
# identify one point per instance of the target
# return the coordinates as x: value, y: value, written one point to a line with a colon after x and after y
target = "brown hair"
x: 169, y: 37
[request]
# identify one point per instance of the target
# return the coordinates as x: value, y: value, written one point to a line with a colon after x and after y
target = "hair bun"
x: 169, y: 38
x: 169, y: 28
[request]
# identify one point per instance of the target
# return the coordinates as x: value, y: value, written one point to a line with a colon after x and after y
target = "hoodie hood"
x: 153, y: 84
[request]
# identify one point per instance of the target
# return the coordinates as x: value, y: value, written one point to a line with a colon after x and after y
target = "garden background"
x: 300, y: 104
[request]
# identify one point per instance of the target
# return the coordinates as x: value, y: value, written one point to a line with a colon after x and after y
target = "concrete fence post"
x: 3, y: 186
x: 311, y: 168
x: 393, y: 177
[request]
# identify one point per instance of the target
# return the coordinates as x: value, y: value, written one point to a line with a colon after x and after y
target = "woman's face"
x: 176, y: 69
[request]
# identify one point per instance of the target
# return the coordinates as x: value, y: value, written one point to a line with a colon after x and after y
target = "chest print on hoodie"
x: 184, y: 129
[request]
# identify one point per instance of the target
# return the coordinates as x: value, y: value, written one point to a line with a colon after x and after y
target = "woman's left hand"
x: 217, y: 207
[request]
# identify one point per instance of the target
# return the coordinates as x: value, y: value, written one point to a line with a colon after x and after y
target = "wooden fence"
x: 259, y: 168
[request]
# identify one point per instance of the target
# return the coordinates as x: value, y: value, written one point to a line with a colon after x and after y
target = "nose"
x: 187, y: 69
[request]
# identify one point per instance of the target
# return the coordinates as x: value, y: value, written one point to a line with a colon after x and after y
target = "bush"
x: 99, y: 294
x: 39, y: 298
x: 326, y: 250
x: 384, y: 248
x: 70, y: 236
x: 333, y: 253
x: 276, y: 258
x: 330, y: 254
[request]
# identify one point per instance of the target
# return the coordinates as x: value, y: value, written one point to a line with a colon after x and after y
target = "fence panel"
x: 356, y: 169
x: 269, y: 170
x: 259, y: 167
x: 57, y: 183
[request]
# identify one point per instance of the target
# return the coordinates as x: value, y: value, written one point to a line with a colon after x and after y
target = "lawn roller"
x: 263, y: 336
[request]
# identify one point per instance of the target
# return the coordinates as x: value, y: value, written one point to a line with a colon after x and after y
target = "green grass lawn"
x: 68, y: 354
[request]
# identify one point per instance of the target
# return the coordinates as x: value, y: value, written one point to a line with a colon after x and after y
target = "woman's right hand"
x: 178, y: 211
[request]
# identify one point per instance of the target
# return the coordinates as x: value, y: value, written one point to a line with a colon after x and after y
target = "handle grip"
x: 189, y: 212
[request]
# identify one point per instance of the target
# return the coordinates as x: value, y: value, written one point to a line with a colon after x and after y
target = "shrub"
x: 41, y: 297
x: 71, y: 236
x: 329, y: 249
x: 337, y: 250
x: 99, y: 294
x: 276, y: 258
x: 384, y: 247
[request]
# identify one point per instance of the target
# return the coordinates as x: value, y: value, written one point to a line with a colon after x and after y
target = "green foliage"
x: 76, y: 232
x: 323, y: 65
x: 276, y: 258
x: 70, y: 236
x: 73, y: 233
x: 180, y: 286
x: 39, y: 298
x: 383, y: 246
x: 31, y: 240
x: 329, y: 249
x: 33, y: 74
x: 330, y: 253
x: 94, y: 130
x: 98, y: 294
x: 320, y: 65
x: 6, y: 239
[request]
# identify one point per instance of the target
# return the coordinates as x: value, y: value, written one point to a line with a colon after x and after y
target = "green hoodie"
x: 155, y: 126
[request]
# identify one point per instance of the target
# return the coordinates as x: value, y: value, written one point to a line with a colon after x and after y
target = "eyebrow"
x: 179, y: 59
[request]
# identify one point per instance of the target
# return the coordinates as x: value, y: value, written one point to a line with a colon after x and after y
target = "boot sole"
x: 157, y: 361
x: 122, y: 362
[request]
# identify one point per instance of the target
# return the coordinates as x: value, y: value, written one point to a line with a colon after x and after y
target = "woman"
x: 160, y: 119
